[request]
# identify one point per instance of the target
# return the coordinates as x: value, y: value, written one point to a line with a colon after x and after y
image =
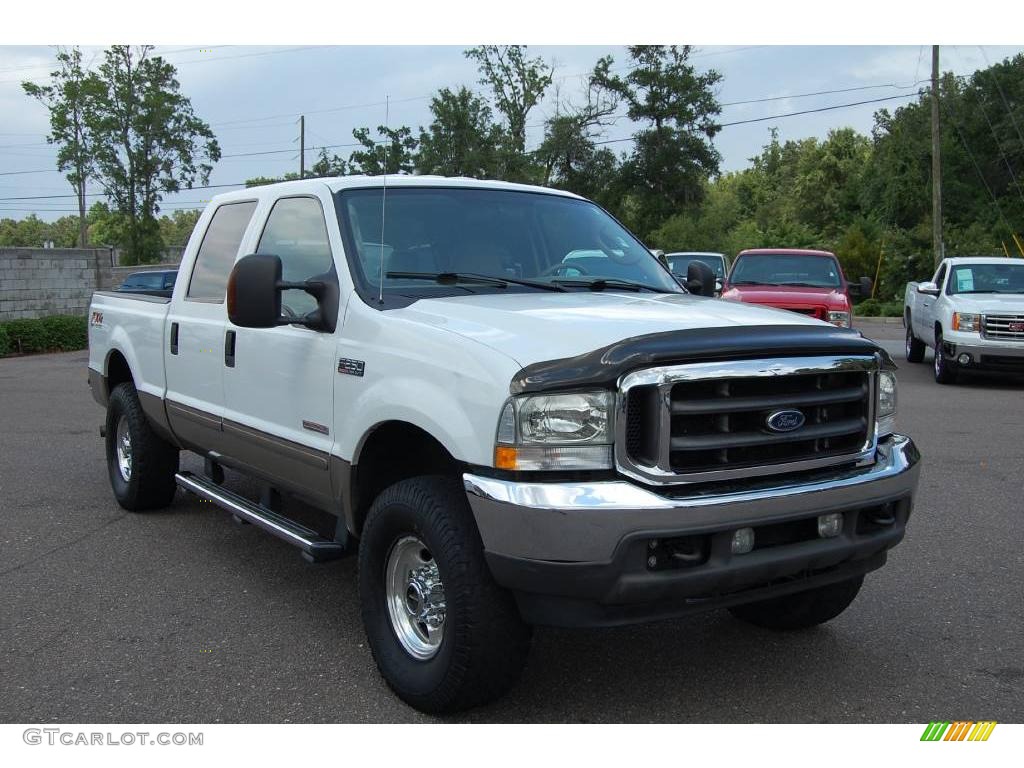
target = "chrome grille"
x: 1003, y: 327
x: 709, y: 421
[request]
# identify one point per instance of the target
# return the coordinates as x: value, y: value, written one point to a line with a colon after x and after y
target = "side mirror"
x: 254, y: 298
x: 700, y: 279
x: 718, y: 286
x: 866, y: 286
x: 929, y: 288
x: 254, y: 295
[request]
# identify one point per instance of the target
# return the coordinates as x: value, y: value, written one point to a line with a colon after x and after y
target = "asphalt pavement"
x: 184, y: 616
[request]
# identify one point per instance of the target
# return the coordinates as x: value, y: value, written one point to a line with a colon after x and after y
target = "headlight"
x: 564, y: 431
x: 967, y: 322
x: 842, y: 319
x: 886, y: 403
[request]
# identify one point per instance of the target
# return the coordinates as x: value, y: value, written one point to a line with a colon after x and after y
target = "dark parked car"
x: 153, y: 283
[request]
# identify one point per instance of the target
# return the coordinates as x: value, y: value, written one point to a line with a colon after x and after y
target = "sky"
x: 252, y: 97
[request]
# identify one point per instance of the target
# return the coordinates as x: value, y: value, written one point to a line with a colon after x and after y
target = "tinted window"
x: 147, y: 280
x: 297, y: 233
x: 495, y: 233
x: 219, y: 250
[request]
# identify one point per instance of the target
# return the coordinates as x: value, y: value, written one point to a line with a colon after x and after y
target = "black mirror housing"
x: 862, y: 287
x: 700, y: 279
x: 254, y: 293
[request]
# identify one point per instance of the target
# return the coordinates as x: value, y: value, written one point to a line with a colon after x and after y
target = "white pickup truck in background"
x: 971, y: 313
x: 510, y: 410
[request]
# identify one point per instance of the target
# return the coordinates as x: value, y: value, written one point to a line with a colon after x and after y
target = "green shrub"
x: 876, y: 308
x: 60, y: 333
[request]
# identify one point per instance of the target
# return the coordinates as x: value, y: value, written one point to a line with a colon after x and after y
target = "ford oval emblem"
x: 785, y: 421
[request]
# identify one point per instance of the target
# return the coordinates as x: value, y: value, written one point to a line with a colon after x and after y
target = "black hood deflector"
x: 603, y: 367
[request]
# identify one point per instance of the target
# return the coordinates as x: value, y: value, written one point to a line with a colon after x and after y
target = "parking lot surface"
x: 183, y: 616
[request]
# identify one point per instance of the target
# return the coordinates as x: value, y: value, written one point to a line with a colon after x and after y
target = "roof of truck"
x: 787, y: 252
x: 338, y: 183
x: 981, y: 259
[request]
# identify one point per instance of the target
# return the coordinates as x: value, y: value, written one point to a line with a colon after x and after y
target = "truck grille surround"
x: 1003, y: 327
x: 705, y: 422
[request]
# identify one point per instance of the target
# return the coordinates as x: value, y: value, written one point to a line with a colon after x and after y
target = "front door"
x: 278, y: 417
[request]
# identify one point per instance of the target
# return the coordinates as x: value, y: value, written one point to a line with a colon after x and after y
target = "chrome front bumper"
x: 585, y: 522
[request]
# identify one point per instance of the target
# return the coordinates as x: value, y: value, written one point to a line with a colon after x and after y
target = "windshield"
x: 786, y: 269
x: 987, y: 278
x: 526, y: 241
x: 680, y: 262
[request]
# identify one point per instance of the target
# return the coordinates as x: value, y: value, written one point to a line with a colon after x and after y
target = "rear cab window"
x: 218, y: 251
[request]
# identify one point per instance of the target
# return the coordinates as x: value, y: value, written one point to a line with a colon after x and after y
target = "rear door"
x: 279, y: 387
x: 194, y: 340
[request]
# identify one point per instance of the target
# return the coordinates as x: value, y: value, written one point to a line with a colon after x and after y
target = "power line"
x: 786, y: 114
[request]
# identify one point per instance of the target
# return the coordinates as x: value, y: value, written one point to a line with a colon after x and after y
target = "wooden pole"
x: 936, y: 163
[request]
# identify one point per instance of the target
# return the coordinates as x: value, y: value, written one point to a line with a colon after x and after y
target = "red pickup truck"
x: 805, y: 281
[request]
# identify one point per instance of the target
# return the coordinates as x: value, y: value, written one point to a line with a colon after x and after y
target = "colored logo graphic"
x: 961, y: 730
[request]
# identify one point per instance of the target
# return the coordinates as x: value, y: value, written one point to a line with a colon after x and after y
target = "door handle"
x: 229, y: 349
x: 174, y: 338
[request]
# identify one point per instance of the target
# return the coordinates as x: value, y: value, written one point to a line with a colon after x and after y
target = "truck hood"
x: 791, y: 296
x: 533, y: 327
x: 990, y: 302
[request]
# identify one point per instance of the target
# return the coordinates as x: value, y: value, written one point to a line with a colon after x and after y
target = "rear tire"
x: 140, y: 463
x: 946, y: 371
x: 420, y: 540
x: 915, y: 347
x: 802, y: 609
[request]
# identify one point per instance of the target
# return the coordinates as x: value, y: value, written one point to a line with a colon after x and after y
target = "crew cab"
x: 808, y: 282
x: 510, y: 411
x: 971, y: 313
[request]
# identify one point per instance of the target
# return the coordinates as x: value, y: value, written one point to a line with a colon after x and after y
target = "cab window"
x: 296, y: 232
x: 218, y: 251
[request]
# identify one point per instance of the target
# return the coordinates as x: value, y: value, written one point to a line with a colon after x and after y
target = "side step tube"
x: 315, y: 547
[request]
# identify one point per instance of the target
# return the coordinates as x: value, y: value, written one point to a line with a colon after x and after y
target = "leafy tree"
x: 673, y: 152
x: 146, y: 141
x: 327, y: 166
x: 65, y: 98
x: 518, y: 85
x: 461, y: 140
x: 177, y: 228
x: 261, y: 181
x: 393, y: 154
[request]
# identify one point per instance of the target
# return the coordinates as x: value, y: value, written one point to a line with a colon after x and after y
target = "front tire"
x: 945, y: 369
x: 802, y: 609
x: 915, y: 347
x: 140, y: 463
x: 444, y: 635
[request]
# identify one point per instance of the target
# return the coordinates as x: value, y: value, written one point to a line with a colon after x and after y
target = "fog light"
x: 964, y: 359
x: 742, y: 541
x: 830, y: 526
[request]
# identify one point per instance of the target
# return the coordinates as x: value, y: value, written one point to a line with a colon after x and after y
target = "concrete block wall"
x: 36, y: 282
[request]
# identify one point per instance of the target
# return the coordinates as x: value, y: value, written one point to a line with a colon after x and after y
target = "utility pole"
x: 302, y: 146
x: 936, y: 163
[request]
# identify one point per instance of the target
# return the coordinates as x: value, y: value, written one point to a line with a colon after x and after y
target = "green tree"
x: 394, y: 153
x: 518, y: 84
x: 676, y: 106
x: 65, y: 98
x: 177, y: 228
x: 461, y: 140
x: 146, y: 141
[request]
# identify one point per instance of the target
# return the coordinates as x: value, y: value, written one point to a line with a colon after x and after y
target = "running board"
x: 315, y: 547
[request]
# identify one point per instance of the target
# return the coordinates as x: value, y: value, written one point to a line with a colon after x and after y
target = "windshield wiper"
x: 601, y: 284
x: 805, y: 285
x: 452, y: 278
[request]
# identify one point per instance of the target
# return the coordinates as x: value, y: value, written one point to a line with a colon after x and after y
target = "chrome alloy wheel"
x: 123, y: 446
x: 415, y: 598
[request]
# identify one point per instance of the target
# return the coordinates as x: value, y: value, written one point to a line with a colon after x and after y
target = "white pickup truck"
x: 971, y: 313
x: 511, y: 410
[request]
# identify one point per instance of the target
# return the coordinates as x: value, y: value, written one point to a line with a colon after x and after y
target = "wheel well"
x: 118, y: 371
x: 394, y: 451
